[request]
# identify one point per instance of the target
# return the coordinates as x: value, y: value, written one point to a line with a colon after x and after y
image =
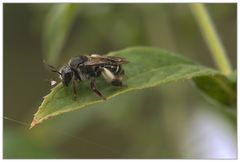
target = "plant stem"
x: 211, y: 37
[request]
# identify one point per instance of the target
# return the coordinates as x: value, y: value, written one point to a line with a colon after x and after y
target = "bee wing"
x: 116, y: 59
x: 102, y: 60
x: 95, y: 61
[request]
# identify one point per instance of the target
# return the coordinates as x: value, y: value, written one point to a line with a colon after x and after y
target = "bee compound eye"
x: 66, y: 78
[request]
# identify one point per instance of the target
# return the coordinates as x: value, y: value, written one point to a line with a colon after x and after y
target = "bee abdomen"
x: 115, y: 69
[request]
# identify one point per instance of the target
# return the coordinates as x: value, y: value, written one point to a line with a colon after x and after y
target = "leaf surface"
x: 147, y: 67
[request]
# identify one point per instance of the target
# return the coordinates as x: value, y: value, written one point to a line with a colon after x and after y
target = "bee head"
x: 65, y: 74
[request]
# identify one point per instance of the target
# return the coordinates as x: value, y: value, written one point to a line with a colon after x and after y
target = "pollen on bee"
x: 107, y: 75
x: 53, y: 82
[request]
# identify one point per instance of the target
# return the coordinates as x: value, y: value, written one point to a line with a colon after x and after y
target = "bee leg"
x: 74, y: 90
x: 94, y: 89
x: 122, y: 72
x: 116, y: 82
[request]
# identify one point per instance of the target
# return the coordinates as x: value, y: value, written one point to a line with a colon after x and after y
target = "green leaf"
x: 57, y: 26
x: 218, y: 88
x: 147, y: 67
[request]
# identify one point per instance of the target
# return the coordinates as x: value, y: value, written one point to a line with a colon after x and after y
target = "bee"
x: 88, y: 68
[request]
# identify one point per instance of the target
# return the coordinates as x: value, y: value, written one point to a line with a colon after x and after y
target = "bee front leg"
x: 94, y: 89
x: 74, y: 88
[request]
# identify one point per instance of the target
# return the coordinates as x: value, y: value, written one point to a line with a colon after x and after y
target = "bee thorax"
x: 83, y: 76
x: 94, y: 55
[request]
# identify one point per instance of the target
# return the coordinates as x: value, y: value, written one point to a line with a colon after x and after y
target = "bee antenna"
x: 53, y: 69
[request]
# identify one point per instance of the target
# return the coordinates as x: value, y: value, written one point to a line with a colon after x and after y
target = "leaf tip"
x: 34, y: 122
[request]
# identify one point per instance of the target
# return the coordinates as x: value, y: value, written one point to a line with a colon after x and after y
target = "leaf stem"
x: 211, y: 37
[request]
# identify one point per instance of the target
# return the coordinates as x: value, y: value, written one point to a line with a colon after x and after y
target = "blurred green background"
x: 170, y: 121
